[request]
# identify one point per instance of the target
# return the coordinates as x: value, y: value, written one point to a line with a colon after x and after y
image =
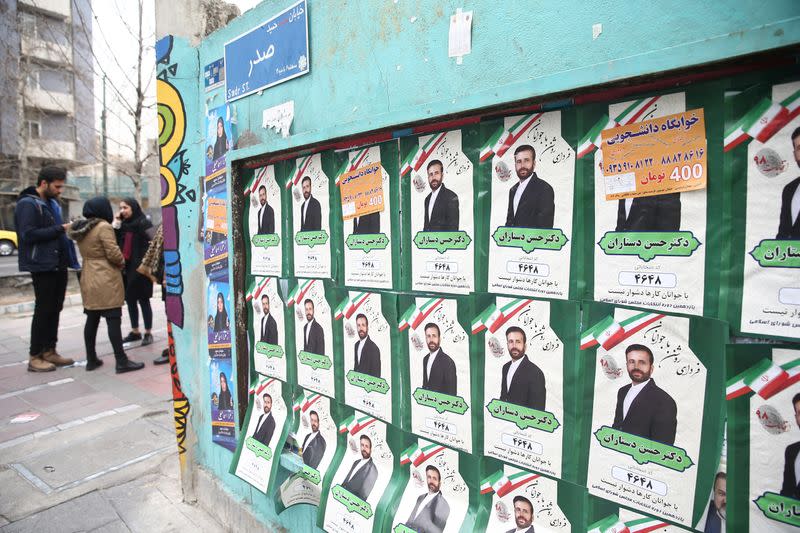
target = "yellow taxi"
x: 8, y: 242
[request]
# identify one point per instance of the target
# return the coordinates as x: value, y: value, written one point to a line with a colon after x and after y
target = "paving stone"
x: 56, y: 394
x: 117, y: 526
x: 11, y: 407
x: 80, y: 514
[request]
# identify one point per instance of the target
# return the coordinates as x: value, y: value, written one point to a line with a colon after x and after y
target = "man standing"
x: 310, y: 210
x: 367, y: 356
x: 45, y: 252
x: 523, y: 381
x: 431, y: 511
x: 789, y: 225
x: 650, y: 213
x: 269, y: 328
x: 266, y: 423
x: 715, y: 518
x: 266, y: 216
x: 438, y: 368
x: 531, y: 201
x: 523, y: 515
x: 314, y: 443
x: 643, y: 408
x: 313, y: 336
x: 441, y: 204
x: 791, y: 463
x: 360, y: 479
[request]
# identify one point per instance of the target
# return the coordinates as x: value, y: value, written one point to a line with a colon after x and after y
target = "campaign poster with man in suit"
x: 525, y: 502
x: 439, y: 362
x: 441, y: 219
x: 666, y: 270
x: 370, y: 249
x: 367, y: 354
x: 317, y: 437
x: 523, y: 413
x: 268, y: 327
x: 770, y: 296
x: 361, y: 477
x: 532, y: 194
x: 648, y: 409
x: 313, y: 336
x: 264, y: 222
x: 436, y: 498
x: 260, y: 443
x: 311, y: 211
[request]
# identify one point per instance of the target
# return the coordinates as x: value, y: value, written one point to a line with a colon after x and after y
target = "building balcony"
x: 61, y: 8
x: 51, y: 150
x: 60, y: 103
x: 60, y: 54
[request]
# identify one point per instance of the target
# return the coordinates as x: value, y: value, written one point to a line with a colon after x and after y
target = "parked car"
x: 8, y: 242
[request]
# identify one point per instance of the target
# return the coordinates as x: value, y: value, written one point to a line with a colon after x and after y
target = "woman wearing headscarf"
x: 221, y: 318
x: 221, y: 144
x: 224, y: 401
x: 101, y: 281
x: 133, y: 236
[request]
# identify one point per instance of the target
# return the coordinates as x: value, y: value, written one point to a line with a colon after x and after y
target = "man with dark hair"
x: 716, y: 515
x: 265, y: 427
x: 266, y: 216
x: 523, y: 515
x: 523, y: 381
x: 360, y: 479
x: 531, y: 201
x: 46, y: 253
x: 269, y: 328
x: 310, y: 210
x: 789, y: 225
x: 314, y: 443
x: 366, y: 355
x: 431, y: 510
x: 643, y: 408
x: 791, y: 463
x: 661, y: 212
x: 313, y: 335
x: 441, y: 204
x: 438, y: 368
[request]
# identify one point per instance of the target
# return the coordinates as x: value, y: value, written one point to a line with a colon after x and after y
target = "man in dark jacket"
x: 366, y: 355
x: 441, y: 204
x: 45, y: 252
x: 522, y: 382
x: 438, y: 368
x: 791, y: 486
x: 531, y: 201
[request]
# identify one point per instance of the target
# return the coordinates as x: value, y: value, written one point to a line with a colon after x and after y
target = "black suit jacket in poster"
x: 313, y: 215
x: 788, y: 229
x: 443, y: 374
x: 269, y: 330
x: 527, y: 385
x: 445, y: 211
x: 536, y: 208
x: 652, y: 415
x: 431, y: 519
x: 315, y: 342
x: 651, y: 213
x: 363, y: 481
x: 264, y: 431
x: 789, y: 487
x: 312, y: 454
x: 370, y: 362
x: 368, y: 224
x: 266, y: 220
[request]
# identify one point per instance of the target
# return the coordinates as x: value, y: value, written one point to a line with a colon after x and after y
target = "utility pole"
x: 104, y: 142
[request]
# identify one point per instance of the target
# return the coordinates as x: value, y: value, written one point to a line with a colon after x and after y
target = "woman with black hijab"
x: 133, y: 236
x: 221, y: 318
x: 101, y: 281
x: 224, y: 400
x: 221, y: 144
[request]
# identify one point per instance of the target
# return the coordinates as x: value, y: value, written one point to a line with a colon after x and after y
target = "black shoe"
x: 132, y: 337
x: 129, y: 366
x: 163, y: 360
x: 148, y: 339
x: 92, y: 363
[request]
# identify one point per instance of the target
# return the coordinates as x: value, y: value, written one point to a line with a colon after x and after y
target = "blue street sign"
x: 272, y: 53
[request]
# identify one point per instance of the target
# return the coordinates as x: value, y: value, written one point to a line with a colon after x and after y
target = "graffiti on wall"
x: 180, y: 402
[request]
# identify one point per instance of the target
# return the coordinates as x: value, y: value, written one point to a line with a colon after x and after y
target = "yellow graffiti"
x: 171, y: 131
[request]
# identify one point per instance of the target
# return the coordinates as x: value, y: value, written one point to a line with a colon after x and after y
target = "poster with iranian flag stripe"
x: 657, y: 412
x: 263, y: 222
x: 762, y: 156
x: 763, y: 399
x: 648, y: 251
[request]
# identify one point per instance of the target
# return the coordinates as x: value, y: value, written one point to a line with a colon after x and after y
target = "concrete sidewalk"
x: 89, y: 451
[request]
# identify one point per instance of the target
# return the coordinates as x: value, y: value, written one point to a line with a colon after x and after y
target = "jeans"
x: 113, y: 324
x: 147, y: 313
x: 49, y: 289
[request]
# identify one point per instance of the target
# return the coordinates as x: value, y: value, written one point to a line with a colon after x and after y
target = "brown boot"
x: 52, y: 356
x: 37, y: 364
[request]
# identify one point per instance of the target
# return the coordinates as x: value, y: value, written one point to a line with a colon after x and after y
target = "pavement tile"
x: 12, y: 431
x: 56, y: 394
x: 24, y: 379
x: 13, y: 406
x: 80, y: 514
x: 117, y: 526
x: 83, y: 406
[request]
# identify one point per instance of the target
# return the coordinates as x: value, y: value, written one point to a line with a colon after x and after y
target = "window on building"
x: 34, y: 129
x: 32, y: 80
x: 27, y: 23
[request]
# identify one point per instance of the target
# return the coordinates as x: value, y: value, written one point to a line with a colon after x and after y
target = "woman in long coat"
x: 101, y: 281
x: 133, y: 236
